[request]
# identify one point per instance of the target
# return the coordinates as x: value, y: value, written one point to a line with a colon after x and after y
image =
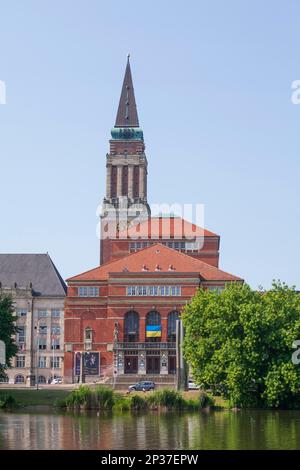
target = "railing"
x: 140, y: 346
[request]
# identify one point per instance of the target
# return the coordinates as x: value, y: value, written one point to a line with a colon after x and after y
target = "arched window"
x: 153, y: 327
x: 131, y: 327
x: 172, y: 317
x: 19, y: 379
x: 42, y: 379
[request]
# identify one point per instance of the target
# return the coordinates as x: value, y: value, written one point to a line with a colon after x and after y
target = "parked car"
x: 192, y: 385
x: 56, y: 381
x: 143, y: 386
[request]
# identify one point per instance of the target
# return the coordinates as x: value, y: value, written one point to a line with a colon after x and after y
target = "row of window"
x: 44, y: 313
x: 153, y: 326
x: 21, y: 334
x: 88, y: 291
x: 54, y: 362
x: 154, y: 291
x: 55, y: 330
x: 20, y: 379
x: 22, y: 312
x: 176, y: 245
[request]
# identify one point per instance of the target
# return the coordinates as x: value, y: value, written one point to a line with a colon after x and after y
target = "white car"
x: 56, y: 381
x: 193, y: 386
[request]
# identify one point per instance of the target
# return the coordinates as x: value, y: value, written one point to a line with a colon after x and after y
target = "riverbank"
x: 86, y: 397
x: 33, y: 397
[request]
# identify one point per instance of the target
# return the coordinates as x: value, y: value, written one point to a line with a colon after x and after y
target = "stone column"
x: 130, y: 181
x: 119, y: 180
x: 142, y: 182
x: 108, y: 181
x: 164, y: 362
x: 142, y: 363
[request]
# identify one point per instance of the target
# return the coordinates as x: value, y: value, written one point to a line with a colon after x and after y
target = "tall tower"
x: 125, y: 201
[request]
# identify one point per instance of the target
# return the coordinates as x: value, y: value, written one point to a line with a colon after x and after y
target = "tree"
x: 239, y: 343
x: 8, y: 329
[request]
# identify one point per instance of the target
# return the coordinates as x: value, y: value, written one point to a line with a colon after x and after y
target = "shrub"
x: 166, y: 398
x: 138, y: 403
x: 8, y: 402
x: 104, y: 397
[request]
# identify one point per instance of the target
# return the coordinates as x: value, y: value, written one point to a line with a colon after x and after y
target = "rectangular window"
x: 88, y: 291
x: 173, y: 290
x: 21, y: 334
x: 20, y: 361
x: 55, y: 313
x: 129, y: 290
x: 162, y: 290
x: 167, y: 290
x: 55, y: 362
x: 217, y: 289
x: 55, y: 330
x: 42, y: 342
x: 42, y: 362
x: 42, y: 313
x: 151, y: 290
x: 43, y: 329
x: 140, y: 290
x: 55, y: 344
x: 21, y: 312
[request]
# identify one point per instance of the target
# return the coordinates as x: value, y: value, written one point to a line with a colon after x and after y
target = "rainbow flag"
x: 153, y: 331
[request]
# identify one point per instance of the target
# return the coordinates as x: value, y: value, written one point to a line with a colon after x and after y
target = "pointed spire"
x: 127, y: 113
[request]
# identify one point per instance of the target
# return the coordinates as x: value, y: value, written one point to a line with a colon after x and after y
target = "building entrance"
x: 153, y: 365
x: 131, y: 364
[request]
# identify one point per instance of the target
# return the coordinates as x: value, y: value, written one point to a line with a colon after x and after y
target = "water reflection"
x: 218, y: 430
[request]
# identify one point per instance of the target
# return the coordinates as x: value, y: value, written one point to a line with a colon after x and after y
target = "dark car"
x: 143, y: 386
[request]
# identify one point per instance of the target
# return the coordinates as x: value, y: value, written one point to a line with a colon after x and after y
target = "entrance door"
x: 131, y: 364
x: 153, y: 365
x: 172, y: 365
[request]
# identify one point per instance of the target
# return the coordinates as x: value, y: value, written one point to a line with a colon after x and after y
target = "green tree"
x: 239, y: 343
x: 8, y: 328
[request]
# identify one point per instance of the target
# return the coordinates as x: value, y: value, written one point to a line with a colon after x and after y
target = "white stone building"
x: 39, y: 293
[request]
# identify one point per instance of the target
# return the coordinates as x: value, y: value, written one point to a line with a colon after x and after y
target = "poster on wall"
x: 77, y: 363
x: 91, y: 363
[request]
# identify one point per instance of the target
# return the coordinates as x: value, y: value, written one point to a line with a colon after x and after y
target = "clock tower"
x: 125, y: 202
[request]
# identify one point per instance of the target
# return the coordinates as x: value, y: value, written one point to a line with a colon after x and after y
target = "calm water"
x: 215, y: 430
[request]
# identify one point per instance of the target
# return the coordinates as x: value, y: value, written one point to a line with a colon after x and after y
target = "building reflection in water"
x: 218, y: 430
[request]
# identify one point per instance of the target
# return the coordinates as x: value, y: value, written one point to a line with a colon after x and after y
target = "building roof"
x: 166, y: 227
x: 156, y: 258
x: 127, y: 113
x: 36, y: 269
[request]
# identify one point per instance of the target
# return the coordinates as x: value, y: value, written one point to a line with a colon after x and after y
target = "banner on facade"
x: 153, y: 331
x: 91, y: 363
x: 77, y: 363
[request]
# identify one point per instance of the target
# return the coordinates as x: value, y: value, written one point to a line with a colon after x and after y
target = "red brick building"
x: 120, y: 317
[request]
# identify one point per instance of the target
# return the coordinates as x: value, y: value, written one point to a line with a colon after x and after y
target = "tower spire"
x: 127, y: 113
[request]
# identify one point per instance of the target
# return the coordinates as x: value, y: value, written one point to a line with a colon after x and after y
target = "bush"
x: 138, y: 403
x: 121, y: 403
x: 105, y: 397
x: 166, y: 398
x: 8, y: 402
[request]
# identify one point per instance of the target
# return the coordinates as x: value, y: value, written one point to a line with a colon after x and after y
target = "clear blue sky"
x: 213, y: 85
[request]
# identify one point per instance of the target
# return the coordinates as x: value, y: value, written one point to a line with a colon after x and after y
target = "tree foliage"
x: 8, y: 328
x: 239, y: 343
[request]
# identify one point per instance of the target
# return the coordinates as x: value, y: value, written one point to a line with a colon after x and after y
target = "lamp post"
x: 37, y: 353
